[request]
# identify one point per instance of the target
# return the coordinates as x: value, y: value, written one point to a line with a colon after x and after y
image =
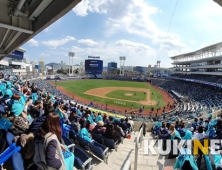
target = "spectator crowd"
x: 39, y: 119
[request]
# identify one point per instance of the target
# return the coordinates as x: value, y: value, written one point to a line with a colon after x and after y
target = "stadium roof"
x: 202, y: 50
x: 219, y: 2
x: 20, y: 20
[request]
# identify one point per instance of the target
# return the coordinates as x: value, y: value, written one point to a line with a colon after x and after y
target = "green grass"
x: 121, y: 94
x: 80, y: 86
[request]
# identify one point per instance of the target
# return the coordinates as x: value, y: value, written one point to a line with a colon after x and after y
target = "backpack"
x: 40, y: 157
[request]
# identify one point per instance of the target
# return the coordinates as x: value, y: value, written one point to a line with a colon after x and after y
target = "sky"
x: 143, y: 31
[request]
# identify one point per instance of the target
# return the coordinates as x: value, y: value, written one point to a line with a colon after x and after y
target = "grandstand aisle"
x: 127, y: 150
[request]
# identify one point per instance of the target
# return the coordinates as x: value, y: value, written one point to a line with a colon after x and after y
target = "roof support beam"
x: 219, y: 2
x: 3, y: 40
x: 16, y: 28
x: 13, y: 40
x: 53, y: 12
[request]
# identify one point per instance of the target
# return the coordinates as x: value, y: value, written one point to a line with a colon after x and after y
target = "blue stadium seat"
x: 73, y: 135
x: 110, y: 143
x: 99, y: 152
x: 83, y: 143
x: 8, y: 153
x: 82, y: 161
x: 10, y: 138
x: 17, y: 161
x: 97, y: 137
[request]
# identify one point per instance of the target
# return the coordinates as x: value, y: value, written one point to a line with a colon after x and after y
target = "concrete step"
x: 127, y: 151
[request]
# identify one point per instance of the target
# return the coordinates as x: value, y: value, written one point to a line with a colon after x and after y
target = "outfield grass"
x: 122, y: 94
x: 80, y: 86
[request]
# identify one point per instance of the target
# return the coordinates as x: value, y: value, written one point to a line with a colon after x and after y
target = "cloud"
x: 44, y: 55
x: 88, y: 42
x: 33, y: 42
x: 57, y: 43
x: 135, y: 18
x: 46, y: 30
x: 77, y: 49
x: 82, y: 8
x: 134, y: 52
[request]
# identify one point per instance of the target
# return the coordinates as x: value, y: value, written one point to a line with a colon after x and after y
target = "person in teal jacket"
x: 85, y: 134
x: 89, y: 118
x: 186, y: 157
x: 98, y: 117
x: 92, y: 115
x: 174, y: 133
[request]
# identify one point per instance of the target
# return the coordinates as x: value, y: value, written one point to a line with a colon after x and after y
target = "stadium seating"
x: 10, y: 138
x: 97, y: 151
x: 17, y: 161
x: 110, y: 143
x: 97, y: 137
x: 82, y: 161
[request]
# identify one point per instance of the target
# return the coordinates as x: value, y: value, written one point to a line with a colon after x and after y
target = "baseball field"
x: 123, y: 94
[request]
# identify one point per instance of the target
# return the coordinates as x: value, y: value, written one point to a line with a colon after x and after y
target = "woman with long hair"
x: 50, y: 152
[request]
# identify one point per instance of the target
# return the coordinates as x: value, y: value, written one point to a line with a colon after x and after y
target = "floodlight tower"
x: 158, y: 63
x: 71, y: 55
x: 122, y: 62
x: 149, y: 69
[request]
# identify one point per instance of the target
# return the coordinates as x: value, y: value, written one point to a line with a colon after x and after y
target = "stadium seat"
x: 8, y: 153
x: 1, y: 133
x: 73, y: 135
x: 83, y: 143
x: 2, y: 145
x: 17, y: 161
x: 82, y: 161
x: 97, y: 151
x: 97, y: 137
x: 10, y: 138
x: 110, y: 143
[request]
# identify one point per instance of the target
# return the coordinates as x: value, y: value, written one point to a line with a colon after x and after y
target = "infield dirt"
x: 168, y: 100
x: 101, y: 92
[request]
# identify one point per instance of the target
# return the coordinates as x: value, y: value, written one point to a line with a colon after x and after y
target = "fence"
x: 127, y: 165
x: 139, y: 139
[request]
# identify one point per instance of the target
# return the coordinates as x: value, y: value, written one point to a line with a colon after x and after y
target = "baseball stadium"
x: 100, y: 114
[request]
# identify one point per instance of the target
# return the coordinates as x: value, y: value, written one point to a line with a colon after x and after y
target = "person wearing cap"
x: 99, y: 129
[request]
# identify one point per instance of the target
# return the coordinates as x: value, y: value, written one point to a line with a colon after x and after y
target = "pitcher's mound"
x: 128, y: 94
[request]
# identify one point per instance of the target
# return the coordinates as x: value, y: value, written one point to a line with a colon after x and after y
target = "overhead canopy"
x: 20, y: 20
x: 219, y: 2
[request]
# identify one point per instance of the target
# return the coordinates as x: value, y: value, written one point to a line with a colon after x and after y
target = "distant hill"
x: 49, y: 64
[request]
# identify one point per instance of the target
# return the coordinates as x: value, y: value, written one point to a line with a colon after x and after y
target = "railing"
x: 127, y: 165
x: 139, y: 139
